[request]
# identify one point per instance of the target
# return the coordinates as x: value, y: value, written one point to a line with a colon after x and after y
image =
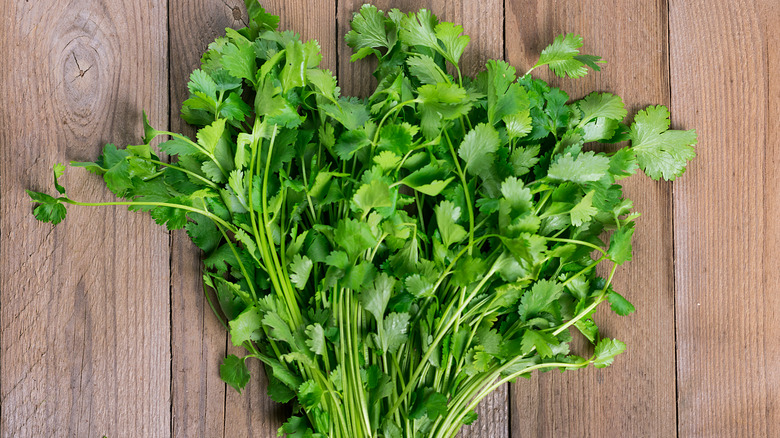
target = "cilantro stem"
x: 205, y: 152
x: 390, y: 111
x: 466, y: 194
x: 441, y: 332
x: 577, y: 242
x: 206, y: 181
x: 208, y: 214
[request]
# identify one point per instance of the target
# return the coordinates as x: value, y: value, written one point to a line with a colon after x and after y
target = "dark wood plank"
x: 202, y: 406
x: 483, y: 22
x: 84, y: 307
x: 636, y: 396
x: 724, y: 82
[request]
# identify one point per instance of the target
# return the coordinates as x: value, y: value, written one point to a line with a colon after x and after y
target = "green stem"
x: 208, y: 214
x: 465, y: 184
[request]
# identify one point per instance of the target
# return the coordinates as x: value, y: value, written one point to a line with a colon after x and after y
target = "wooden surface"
x: 103, y: 325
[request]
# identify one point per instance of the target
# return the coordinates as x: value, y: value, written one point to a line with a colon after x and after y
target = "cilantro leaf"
x: 447, y: 215
x: 541, y: 295
x: 478, y: 149
x: 246, y: 326
x: 661, y: 152
x: 584, y: 168
x: 620, y: 305
x: 620, y: 244
x: 234, y: 372
x: 562, y: 57
x: 606, y: 350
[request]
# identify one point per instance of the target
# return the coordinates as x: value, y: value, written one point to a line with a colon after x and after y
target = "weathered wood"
x: 85, y: 311
x: 483, y: 22
x: 636, y: 395
x: 724, y: 82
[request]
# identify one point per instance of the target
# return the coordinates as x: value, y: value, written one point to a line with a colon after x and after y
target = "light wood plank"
x: 724, y: 82
x: 636, y: 395
x: 84, y: 316
x: 483, y: 22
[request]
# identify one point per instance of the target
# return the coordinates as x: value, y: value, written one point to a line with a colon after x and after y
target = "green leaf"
x: 258, y: 15
x: 354, y: 236
x: 601, y: 105
x: 541, y: 295
x: 350, y: 142
x: 59, y: 170
x: 239, y: 59
x: 246, y: 326
x: 623, y: 163
x: 375, y: 298
x: 562, y: 57
x: 478, y: 149
x: 309, y: 394
x: 397, y: 138
x: 49, y: 208
x: 424, y: 68
x: 439, y: 103
x: 316, y: 339
x: 583, y: 210
x: 620, y: 244
x: 605, y: 352
x: 300, y: 269
x: 368, y: 29
x: 662, y: 153
x: 209, y: 136
x: 375, y: 194
x: 418, y: 29
x: 620, y: 305
x: 540, y: 341
x: 396, y: 326
x: 524, y: 159
x: 234, y: 372
x: 278, y: 328
x: 447, y: 216
x: 293, y: 73
x: 585, y: 168
x: 454, y: 43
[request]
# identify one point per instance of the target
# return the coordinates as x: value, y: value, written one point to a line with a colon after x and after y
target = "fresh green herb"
x: 392, y: 260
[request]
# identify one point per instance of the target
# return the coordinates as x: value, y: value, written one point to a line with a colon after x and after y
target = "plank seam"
x: 673, y: 221
x: 172, y: 424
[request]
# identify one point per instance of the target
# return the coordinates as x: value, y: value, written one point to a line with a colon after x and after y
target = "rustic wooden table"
x: 103, y: 327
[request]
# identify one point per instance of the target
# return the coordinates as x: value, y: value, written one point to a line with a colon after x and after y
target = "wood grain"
x: 636, y: 395
x: 84, y: 316
x: 483, y: 22
x: 726, y: 210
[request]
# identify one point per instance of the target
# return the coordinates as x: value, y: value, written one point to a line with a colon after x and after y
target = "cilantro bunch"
x: 392, y: 260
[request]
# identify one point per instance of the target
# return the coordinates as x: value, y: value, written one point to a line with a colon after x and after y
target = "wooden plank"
x: 482, y: 21
x: 724, y: 67
x: 636, y: 396
x: 84, y: 307
x: 202, y: 406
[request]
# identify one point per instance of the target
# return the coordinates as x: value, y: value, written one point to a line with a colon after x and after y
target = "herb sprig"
x: 392, y: 260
